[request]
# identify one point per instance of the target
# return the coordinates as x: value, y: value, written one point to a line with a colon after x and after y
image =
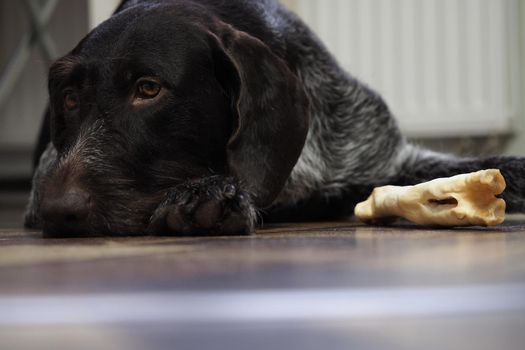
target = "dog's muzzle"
x: 66, y: 210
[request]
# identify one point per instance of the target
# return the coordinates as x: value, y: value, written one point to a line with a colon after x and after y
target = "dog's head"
x: 155, y: 96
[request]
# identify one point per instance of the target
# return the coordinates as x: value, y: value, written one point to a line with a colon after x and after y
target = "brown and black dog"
x: 197, y: 116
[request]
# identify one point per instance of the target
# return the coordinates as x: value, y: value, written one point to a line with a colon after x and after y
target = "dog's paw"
x: 214, y: 205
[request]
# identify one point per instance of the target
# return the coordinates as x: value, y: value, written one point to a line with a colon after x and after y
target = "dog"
x: 206, y: 117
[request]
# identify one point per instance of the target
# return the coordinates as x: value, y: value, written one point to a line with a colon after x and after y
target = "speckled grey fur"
x: 353, y: 142
x: 353, y: 138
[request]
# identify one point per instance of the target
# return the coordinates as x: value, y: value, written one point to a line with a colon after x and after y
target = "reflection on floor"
x: 337, y: 285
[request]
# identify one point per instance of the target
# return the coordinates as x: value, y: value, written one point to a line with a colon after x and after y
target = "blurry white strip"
x: 260, y: 306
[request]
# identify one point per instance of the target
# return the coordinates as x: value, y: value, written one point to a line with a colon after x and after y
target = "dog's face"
x: 147, y: 100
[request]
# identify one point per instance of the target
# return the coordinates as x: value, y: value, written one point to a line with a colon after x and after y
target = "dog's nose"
x: 66, y: 211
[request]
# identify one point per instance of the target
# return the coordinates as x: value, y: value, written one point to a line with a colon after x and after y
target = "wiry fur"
x: 352, y: 143
x: 89, y: 163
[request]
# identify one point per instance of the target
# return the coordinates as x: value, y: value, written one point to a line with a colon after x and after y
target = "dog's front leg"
x: 212, y: 205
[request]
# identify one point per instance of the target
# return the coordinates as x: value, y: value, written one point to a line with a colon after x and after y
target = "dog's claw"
x: 212, y: 205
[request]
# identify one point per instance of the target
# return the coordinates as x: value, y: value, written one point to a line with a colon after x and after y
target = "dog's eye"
x: 147, y: 88
x: 71, y: 101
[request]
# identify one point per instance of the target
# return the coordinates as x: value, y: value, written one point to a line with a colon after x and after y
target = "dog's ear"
x: 271, y: 113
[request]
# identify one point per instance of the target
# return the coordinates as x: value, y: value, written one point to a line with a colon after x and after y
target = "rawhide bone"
x: 461, y: 200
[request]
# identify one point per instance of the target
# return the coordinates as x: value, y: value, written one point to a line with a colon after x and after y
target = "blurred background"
x: 451, y: 70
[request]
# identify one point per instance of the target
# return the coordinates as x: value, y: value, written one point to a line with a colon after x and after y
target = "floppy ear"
x: 272, y: 115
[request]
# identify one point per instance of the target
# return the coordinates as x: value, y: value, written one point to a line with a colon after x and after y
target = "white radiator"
x: 445, y: 67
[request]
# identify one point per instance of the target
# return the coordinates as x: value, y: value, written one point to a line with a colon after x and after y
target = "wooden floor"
x: 338, y: 285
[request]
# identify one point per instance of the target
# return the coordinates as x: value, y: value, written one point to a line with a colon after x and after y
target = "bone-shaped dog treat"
x: 467, y: 199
